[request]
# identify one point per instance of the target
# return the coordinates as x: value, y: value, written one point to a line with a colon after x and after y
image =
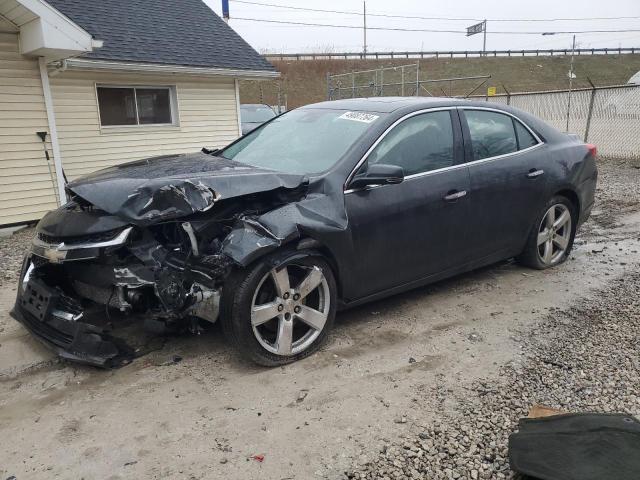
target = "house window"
x: 123, y: 106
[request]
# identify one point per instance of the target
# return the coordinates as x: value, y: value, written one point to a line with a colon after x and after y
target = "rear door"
x: 507, y: 173
x: 408, y: 231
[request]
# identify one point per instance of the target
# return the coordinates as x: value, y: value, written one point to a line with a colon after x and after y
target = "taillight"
x: 593, y: 150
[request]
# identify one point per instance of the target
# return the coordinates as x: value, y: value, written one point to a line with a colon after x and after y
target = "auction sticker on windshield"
x: 359, y: 117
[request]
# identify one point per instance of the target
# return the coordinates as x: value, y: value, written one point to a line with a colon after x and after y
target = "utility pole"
x: 364, y: 46
x: 484, y: 40
x: 573, y: 49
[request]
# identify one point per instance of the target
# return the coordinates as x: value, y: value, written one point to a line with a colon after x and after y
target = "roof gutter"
x: 100, y: 65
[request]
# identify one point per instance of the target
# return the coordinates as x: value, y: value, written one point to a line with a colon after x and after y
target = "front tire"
x: 281, y: 309
x: 551, y: 237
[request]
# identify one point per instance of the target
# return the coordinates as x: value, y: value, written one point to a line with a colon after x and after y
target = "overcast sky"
x: 273, y: 37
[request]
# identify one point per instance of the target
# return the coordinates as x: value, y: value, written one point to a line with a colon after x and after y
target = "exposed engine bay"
x: 153, y: 243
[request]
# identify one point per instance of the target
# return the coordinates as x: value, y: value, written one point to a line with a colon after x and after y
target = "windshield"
x: 256, y: 113
x: 303, y: 141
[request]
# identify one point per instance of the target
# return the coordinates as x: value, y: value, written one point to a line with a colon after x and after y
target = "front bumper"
x: 65, y: 335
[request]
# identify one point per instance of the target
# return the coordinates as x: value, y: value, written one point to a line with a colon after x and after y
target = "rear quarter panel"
x: 571, y: 167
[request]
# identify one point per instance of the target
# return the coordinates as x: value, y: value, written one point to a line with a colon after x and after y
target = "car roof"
x: 404, y: 105
x: 391, y: 104
x: 635, y: 79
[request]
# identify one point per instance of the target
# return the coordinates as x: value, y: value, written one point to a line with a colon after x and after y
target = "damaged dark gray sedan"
x: 328, y: 206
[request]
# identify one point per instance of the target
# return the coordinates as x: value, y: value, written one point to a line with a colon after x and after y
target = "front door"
x: 417, y: 228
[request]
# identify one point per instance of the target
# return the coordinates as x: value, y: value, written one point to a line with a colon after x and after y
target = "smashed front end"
x: 167, y: 275
x: 152, y: 242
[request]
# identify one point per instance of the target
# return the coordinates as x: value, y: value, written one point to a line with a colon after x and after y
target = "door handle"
x: 454, y: 195
x: 533, y: 173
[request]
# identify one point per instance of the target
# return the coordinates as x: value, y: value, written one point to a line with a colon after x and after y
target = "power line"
x: 423, y: 30
x: 343, y: 12
x: 359, y: 27
x: 418, y: 17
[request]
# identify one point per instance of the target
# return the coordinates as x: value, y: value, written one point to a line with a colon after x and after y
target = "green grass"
x: 304, y: 81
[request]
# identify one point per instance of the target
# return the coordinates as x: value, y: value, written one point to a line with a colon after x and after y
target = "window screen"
x: 419, y: 144
x: 135, y: 106
x: 492, y: 134
x: 525, y: 139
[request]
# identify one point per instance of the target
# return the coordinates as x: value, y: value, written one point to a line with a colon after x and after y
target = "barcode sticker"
x: 359, y: 117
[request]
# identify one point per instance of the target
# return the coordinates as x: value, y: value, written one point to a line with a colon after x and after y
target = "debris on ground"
x: 302, y: 395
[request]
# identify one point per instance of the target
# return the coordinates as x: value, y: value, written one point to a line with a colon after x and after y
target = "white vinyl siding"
x: 26, y: 189
x: 206, y: 111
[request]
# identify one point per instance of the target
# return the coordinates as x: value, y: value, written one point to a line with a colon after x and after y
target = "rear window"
x: 525, y: 139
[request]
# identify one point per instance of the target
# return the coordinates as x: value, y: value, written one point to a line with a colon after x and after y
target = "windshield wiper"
x: 213, y: 152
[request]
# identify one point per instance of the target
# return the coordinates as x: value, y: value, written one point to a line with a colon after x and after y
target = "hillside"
x: 305, y: 81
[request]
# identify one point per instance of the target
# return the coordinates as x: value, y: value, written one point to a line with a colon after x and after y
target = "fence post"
x: 508, y: 94
x: 353, y: 85
x: 590, y: 113
x: 328, y: 86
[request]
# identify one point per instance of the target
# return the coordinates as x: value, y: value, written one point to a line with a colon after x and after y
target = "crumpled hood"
x: 173, y: 186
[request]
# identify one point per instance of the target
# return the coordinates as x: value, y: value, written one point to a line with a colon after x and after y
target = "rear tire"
x: 280, y: 309
x: 551, y: 238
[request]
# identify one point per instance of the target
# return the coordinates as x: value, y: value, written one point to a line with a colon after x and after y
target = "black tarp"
x: 577, y: 447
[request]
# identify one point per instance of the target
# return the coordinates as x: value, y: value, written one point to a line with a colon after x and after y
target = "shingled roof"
x: 171, y: 32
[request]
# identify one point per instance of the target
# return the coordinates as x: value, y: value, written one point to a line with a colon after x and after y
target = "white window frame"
x: 173, y: 105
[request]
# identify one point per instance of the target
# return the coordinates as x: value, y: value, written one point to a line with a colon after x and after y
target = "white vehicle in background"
x: 625, y: 101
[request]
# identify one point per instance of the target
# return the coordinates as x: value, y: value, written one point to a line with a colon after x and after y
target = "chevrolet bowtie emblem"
x: 54, y: 255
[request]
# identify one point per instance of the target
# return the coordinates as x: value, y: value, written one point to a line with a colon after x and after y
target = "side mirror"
x: 378, y: 174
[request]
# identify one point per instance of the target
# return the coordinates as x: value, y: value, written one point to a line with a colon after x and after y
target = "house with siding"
x: 86, y: 84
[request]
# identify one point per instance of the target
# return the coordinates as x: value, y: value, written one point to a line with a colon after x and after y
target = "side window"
x: 492, y: 134
x: 525, y: 139
x: 418, y: 144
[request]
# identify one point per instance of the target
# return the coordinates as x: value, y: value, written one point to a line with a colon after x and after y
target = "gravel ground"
x: 580, y: 359
x: 11, y: 251
x: 568, y: 363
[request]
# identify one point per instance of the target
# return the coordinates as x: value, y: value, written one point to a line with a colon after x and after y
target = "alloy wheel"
x: 286, y: 320
x: 554, y: 234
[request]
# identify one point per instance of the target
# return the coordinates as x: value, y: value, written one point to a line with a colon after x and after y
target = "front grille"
x: 76, y: 240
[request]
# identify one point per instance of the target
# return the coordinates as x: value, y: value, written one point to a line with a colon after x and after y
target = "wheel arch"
x: 572, y: 196
x: 304, y: 246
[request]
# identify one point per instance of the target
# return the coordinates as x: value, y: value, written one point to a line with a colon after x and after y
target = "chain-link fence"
x: 608, y: 117
x: 403, y: 80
